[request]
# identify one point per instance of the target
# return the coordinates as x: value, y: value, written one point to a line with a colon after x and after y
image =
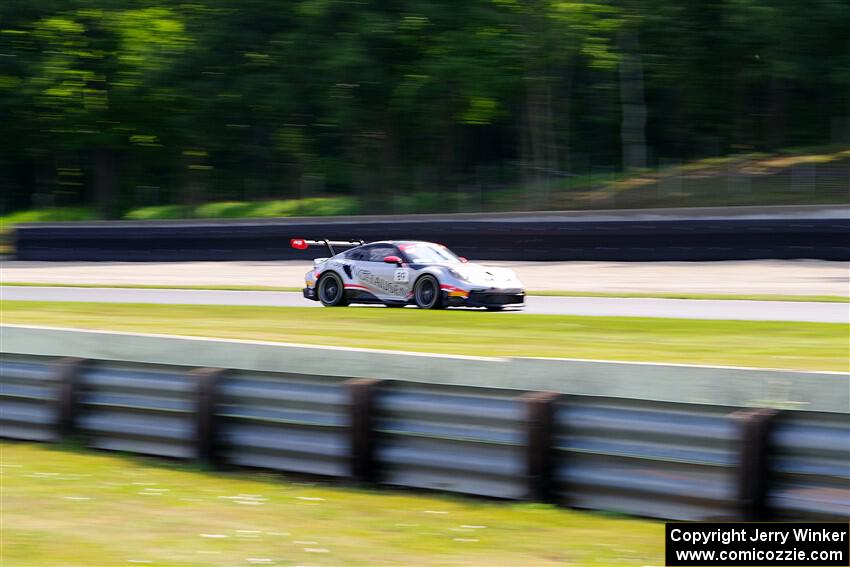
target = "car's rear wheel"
x: 331, y: 291
x: 427, y: 294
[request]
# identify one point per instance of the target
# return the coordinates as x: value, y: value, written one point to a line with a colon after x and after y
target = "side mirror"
x: 462, y: 259
x: 392, y: 260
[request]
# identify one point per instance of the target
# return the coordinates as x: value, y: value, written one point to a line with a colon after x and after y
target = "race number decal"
x: 402, y: 275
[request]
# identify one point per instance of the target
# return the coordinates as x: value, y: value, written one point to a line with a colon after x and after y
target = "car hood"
x: 490, y: 276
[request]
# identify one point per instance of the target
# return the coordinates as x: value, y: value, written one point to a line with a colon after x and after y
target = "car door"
x: 386, y: 281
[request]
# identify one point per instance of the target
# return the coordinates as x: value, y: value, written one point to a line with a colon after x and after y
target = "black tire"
x: 427, y: 294
x: 331, y: 291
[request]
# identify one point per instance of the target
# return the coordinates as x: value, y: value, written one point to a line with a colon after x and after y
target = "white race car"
x: 406, y: 272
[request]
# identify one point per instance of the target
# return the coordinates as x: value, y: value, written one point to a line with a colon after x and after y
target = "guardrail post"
x: 753, y: 461
x: 68, y: 395
x: 207, y: 443
x: 361, y: 395
x: 540, y: 417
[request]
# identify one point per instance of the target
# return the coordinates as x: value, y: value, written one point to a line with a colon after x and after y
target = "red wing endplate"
x: 303, y: 244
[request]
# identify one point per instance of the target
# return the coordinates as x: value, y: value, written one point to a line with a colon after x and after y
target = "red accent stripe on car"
x: 355, y: 286
x: 454, y: 291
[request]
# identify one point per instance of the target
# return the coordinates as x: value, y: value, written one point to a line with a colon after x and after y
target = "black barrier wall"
x: 660, y: 459
x: 714, y: 234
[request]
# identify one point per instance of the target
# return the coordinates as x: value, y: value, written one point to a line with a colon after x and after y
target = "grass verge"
x: 708, y: 296
x: 770, y: 344
x: 74, y: 507
x: 544, y: 293
x: 156, y: 286
x: 732, y: 180
x: 48, y: 214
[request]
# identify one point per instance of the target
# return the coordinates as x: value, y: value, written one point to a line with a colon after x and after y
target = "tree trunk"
x: 539, y: 144
x: 740, y: 132
x: 447, y: 145
x: 563, y: 153
x: 195, y: 189
x: 105, y: 182
x: 389, y: 178
x: 775, y: 126
x: 633, y: 124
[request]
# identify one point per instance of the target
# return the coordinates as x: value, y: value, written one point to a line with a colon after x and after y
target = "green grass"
x: 733, y: 180
x: 316, y: 206
x: 811, y: 346
x: 50, y: 214
x: 155, y: 286
x: 546, y: 293
x: 687, y: 295
x: 73, y: 507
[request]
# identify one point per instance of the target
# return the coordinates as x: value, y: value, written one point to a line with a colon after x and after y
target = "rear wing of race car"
x: 302, y: 244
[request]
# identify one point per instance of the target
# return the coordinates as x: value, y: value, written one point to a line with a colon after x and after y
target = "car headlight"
x: 459, y: 274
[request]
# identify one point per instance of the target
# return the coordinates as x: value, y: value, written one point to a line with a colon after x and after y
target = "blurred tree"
x: 556, y: 37
x: 95, y: 84
x: 144, y: 102
x: 632, y: 99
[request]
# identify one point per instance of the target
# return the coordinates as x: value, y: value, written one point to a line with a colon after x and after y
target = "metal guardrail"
x: 651, y: 458
x: 289, y: 422
x: 811, y: 466
x: 465, y: 440
x: 138, y: 409
x: 29, y: 395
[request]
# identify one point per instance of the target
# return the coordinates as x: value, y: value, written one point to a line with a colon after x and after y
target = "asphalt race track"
x: 590, y: 306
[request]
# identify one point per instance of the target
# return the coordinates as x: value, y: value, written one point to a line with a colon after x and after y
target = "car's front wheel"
x: 331, y: 291
x: 427, y: 294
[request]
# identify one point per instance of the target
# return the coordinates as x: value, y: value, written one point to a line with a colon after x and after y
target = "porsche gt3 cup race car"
x: 405, y: 272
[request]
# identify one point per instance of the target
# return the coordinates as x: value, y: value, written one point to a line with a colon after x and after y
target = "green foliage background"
x: 142, y: 103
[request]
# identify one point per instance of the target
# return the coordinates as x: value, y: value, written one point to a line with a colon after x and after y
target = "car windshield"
x: 427, y: 253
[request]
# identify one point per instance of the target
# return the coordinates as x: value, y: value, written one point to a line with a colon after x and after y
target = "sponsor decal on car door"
x: 387, y: 281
